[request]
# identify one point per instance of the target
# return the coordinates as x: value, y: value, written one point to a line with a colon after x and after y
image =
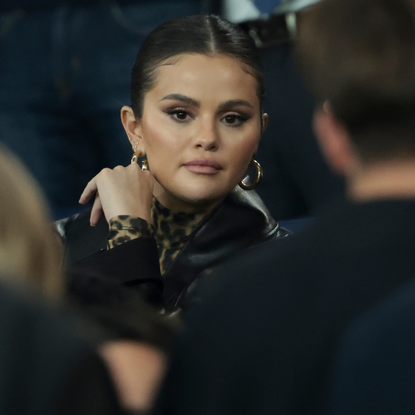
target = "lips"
x: 203, y: 166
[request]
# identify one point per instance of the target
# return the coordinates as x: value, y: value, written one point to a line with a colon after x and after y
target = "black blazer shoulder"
x: 240, y: 222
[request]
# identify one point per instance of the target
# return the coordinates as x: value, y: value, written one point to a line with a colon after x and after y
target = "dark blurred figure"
x: 374, y: 367
x: 135, y: 339
x: 263, y: 340
x: 46, y: 365
x: 64, y: 75
x: 297, y: 180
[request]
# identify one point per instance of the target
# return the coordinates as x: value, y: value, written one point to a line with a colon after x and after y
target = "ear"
x: 334, y: 140
x: 132, y: 127
x: 264, y: 122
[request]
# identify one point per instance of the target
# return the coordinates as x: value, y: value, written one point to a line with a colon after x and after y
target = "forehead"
x: 206, y: 78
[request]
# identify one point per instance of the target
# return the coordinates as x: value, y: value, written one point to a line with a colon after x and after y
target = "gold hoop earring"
x: 136, y: 156
x: 259, y: 174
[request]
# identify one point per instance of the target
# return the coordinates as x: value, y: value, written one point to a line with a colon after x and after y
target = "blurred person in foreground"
x: 51, y: 360
x: 47, y: 365
x: 263, y: 340
x: 29, y: 248
x: 134, y: 339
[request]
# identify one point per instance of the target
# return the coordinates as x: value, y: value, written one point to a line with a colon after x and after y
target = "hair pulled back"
x: 202, y: 34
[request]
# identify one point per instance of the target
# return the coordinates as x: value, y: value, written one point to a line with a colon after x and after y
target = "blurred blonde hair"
x: 29, y: 249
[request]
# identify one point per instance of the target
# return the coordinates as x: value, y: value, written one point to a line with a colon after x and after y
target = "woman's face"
x: 200, y: 127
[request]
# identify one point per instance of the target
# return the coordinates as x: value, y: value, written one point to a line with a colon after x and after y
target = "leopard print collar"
x: 172, y: 231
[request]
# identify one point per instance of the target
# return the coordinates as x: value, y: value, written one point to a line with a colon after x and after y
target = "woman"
x: 196, y: 115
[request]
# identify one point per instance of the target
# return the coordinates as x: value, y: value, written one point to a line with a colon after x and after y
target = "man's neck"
x: 393, y: 179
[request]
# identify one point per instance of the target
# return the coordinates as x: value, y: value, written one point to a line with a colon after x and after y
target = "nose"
x: 207, y: 136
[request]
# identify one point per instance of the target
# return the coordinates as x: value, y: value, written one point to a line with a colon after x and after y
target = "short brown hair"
x: 360, y: 56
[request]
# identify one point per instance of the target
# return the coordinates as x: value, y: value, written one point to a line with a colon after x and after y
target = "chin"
x: 201, y: 201
x: 204, y: 198
x: 197, y: 196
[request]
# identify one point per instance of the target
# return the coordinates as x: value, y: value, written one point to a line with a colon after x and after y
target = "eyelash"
x: 240, y: 119
x: 174, y: 111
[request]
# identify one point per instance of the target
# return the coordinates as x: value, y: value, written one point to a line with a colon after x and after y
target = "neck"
x: 393, y: 179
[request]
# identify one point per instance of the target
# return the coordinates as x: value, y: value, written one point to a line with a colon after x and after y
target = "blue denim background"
x: 64, y: 76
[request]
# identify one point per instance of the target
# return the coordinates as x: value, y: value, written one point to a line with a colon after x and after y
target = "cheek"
x: 160, y: 141
x: 244, y: 151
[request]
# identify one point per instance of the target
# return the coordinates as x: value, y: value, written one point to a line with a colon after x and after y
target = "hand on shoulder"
x: 120, y: 191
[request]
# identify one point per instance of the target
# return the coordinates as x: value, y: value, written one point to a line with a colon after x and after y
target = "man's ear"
x: 264, y: 122
x: 132, y: 127
x: 334, y: 140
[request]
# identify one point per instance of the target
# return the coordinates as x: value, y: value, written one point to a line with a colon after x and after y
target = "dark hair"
x: 360, y: 56
x: 206, y: 35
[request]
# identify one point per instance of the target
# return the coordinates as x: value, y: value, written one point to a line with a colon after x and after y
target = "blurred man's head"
x: 358, y: 57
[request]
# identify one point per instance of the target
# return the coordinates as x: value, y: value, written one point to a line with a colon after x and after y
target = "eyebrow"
x: 195, y: 103
x: 235, y: 103
x: 182, y: 98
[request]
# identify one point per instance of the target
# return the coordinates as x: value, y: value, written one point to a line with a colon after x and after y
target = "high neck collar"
x: 173, y: 228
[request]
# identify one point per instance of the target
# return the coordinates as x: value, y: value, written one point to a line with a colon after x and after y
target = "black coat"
x: 239, y: 222
x: 374, y: 371
x: 263, y: 340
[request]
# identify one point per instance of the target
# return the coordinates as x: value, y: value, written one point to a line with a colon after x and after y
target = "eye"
x: 181, y: 115
x: 178, y: 114
x: 234, y: 120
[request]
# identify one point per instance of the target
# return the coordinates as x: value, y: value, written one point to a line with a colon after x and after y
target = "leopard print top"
x: 171, y: 230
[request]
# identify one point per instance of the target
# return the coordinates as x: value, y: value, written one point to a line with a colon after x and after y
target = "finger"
x: 136, y: 172
x: 133, y: 167
x: 96, y: 211
x: 89, y: 191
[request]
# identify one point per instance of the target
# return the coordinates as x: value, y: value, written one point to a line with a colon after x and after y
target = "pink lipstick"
x: 203, y: 166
